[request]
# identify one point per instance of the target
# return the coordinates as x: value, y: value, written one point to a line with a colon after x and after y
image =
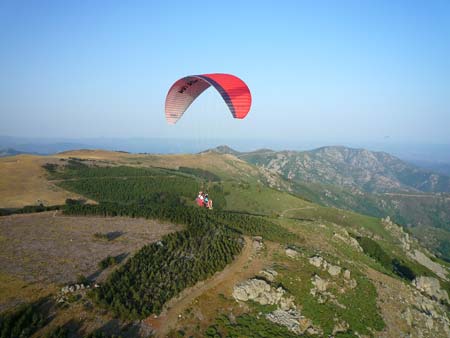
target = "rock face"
x: 431, y: 287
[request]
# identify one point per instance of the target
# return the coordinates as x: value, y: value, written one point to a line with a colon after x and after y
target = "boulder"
x: 334, y: 270
x: 347, y: 274
x: 317, y: 261
x: 352, y: 283
x: 291, y: 253
x: 431, y: 287
x: 319, y: 283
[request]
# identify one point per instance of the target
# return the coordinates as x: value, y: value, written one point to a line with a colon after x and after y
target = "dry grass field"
x: 23, y: 182
x: 224, y: 165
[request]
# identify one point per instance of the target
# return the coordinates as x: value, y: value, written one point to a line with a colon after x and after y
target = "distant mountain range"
x: 368, y: 171
x: 11, y: 152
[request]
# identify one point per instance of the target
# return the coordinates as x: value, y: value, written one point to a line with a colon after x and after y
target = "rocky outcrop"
x: 73, y: 289
x: 340, y: 280
x: 321, y: 263
x: 347, y: 239
x: 260, y: 291
x: 407, y: 245
x: 431, y: 287
x: 264, y: 293
x: 268, y: 274
x: 340, y: 327
x: 293, y: 320
x: 422, y: 259
x: 430, y: 314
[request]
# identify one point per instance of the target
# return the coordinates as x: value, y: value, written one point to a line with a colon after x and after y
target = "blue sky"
x: 322, y: 71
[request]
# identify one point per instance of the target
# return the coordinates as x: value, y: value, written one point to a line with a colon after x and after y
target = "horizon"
x: 413, y: 153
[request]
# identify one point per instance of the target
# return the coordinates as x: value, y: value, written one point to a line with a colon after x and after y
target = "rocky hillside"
x: 372, y: 183
x: 353, y: 168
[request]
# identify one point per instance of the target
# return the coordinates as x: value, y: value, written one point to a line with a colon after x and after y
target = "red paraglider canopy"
x: 234, y: 91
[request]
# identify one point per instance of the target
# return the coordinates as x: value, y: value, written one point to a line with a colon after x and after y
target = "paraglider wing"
x: 183, y: 92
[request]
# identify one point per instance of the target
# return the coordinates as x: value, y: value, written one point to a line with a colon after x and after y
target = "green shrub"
x: 23, y: 322
x: 58, y: 332
x: 374, y: 250
x: 107, y: 262
x: 82, y: 279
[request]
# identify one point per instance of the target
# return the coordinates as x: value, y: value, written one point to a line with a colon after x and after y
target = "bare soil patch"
x: 50, y: 248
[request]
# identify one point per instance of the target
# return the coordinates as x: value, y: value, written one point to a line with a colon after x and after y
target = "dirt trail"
x: 176, y: 306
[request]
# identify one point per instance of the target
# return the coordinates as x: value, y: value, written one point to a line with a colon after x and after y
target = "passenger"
x: 199, y: 199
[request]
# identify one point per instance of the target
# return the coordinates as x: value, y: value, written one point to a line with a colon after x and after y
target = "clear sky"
x: 331, y: 71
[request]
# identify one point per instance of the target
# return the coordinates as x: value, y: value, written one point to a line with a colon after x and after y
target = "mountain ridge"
x: 369, y: 171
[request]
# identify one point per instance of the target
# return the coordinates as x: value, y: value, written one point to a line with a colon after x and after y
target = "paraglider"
x: 183, y: 92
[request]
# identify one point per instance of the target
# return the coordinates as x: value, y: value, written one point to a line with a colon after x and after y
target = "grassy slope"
x: 22, y: 182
